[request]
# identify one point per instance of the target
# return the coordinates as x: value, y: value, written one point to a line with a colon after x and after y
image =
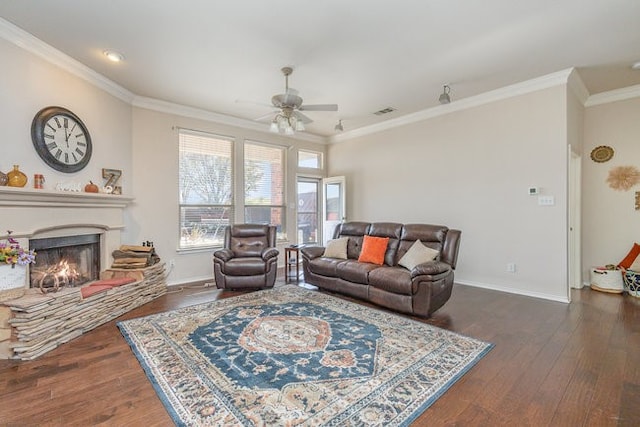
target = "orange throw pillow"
x: 631, y: 256
x: 373, y: 249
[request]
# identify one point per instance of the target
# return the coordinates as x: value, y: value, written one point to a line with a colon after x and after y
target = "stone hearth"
x: 37, y: 323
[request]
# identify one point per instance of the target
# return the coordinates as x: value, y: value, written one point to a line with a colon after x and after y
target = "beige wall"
x: 610, y: 222
x: 154, y: 214
x: 471, y: 170
x: 28, y: 84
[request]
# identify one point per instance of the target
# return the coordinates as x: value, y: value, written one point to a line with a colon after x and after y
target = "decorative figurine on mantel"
x: 16, y: 178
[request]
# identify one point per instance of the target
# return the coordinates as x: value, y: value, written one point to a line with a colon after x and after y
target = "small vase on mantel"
x: 16, y: 178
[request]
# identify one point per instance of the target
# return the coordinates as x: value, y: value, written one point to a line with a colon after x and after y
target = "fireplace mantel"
x: 30, y: 197
x: 33, y: 214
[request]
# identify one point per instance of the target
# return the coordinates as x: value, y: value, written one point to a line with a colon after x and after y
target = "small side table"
x: 291, y: 261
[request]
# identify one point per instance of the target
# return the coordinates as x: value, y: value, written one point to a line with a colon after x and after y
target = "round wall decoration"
x: 602, y: 154
x: 61, y: 139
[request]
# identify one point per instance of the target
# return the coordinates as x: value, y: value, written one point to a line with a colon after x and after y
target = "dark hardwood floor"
x: 553, y: 364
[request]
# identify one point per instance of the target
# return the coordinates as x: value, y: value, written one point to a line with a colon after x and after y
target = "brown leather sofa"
x: 419, y: 292
x: 249, y: 259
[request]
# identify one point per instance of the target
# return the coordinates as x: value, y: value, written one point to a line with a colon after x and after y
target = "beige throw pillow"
x: 337, y: 248
x: 417, y: 254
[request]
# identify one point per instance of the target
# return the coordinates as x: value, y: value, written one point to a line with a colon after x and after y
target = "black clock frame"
x: 37, y: 137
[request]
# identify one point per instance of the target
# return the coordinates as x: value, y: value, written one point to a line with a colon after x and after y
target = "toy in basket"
x: 607, y: 279
x: 632, y: 283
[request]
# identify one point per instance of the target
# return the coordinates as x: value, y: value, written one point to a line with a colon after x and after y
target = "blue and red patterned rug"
x: 291, y: 356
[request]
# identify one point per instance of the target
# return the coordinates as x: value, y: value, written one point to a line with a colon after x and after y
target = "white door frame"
x: 574, y: 230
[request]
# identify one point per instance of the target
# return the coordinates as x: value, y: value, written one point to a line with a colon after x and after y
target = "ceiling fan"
x: 289, y: 118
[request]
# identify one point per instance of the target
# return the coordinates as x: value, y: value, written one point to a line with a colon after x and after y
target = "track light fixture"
x: 444, y: 97
x: 339, y: 126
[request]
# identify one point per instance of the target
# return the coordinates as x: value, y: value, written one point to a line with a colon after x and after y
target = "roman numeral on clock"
x: 58, y: 154
x: 79, y: 151
x: 57, y: 122
x: 75, y: 159
x: 46, y: 135
x: 51, y: 146
x: 66, y: 157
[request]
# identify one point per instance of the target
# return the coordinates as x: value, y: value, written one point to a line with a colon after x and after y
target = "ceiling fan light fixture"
x: 445, y: 98
x: 289, y: 131
x: 299, y: 126
x: 274, y: 126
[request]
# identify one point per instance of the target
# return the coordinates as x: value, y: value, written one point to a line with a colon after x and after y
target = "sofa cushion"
x: 355, y: 271
x: 325, y: 266
x: 391, y: 279
x: 373, y: 249
x: 246, y: 266
x: 417, y: 254
x: 337, y: 248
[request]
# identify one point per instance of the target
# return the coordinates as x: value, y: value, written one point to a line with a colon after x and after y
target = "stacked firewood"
x: 134, y: 256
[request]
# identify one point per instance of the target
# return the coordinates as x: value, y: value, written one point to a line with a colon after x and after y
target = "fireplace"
x: 65, y: 261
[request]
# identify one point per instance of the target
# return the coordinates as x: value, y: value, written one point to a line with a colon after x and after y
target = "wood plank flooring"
x: 553, y: 365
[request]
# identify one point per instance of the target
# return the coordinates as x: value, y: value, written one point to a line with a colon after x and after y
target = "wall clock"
x: 61, y: 139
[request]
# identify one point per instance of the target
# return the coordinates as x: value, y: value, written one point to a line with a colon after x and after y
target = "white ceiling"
x: 364, y: 55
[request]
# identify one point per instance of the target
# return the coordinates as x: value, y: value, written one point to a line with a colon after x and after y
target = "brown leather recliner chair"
x: 249, y: 259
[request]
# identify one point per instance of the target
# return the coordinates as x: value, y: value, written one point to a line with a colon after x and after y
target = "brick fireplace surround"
x: 34, y: 214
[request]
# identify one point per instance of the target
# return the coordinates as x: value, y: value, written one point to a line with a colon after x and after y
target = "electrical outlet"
x: 172, y: 263
x: 511, y: 267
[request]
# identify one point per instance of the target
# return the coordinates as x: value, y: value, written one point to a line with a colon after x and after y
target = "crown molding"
x: 577, y: 86
x: 533, y: 85
x: 197, y: 113
x: 613, y: 96
x: 30, y: 43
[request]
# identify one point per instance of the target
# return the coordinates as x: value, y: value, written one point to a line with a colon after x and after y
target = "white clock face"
x: 65, y: 139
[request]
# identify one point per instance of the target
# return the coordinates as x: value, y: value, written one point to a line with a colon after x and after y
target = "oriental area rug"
x: 291, y: 356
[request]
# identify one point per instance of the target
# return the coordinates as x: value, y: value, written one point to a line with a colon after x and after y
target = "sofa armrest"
x: 223, y: 254
x: 431, y: 268
x: 312, y: 252
x: 269, y: 253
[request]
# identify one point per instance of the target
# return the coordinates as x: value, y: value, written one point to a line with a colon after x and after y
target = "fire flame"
x: 61, y: 274
x: 64, y: 273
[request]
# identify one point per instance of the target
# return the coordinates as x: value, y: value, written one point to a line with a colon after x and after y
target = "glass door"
x: 334, y: 205
x: 308, y: 220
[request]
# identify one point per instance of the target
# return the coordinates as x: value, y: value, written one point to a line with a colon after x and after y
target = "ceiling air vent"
x: 384, y: 111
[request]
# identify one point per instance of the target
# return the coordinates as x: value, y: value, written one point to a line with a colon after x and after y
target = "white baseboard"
x: 493, y: 287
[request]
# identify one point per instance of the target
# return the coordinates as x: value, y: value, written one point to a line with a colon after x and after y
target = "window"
x: 309, y: 159
x: 264, y: 186
x: 206, y: 188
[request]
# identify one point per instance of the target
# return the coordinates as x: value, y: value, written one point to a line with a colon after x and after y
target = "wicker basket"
x: 12, y: 282
x: 632, y: 283
x: 607, y: 280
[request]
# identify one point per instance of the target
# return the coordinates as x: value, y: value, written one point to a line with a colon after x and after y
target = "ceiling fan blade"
x: 319, y: 107
x: 304, y: 119
x: 269, y: 116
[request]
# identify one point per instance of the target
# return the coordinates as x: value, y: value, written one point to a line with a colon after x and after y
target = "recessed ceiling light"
x: 636, y: 65
x: 114, y: 56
